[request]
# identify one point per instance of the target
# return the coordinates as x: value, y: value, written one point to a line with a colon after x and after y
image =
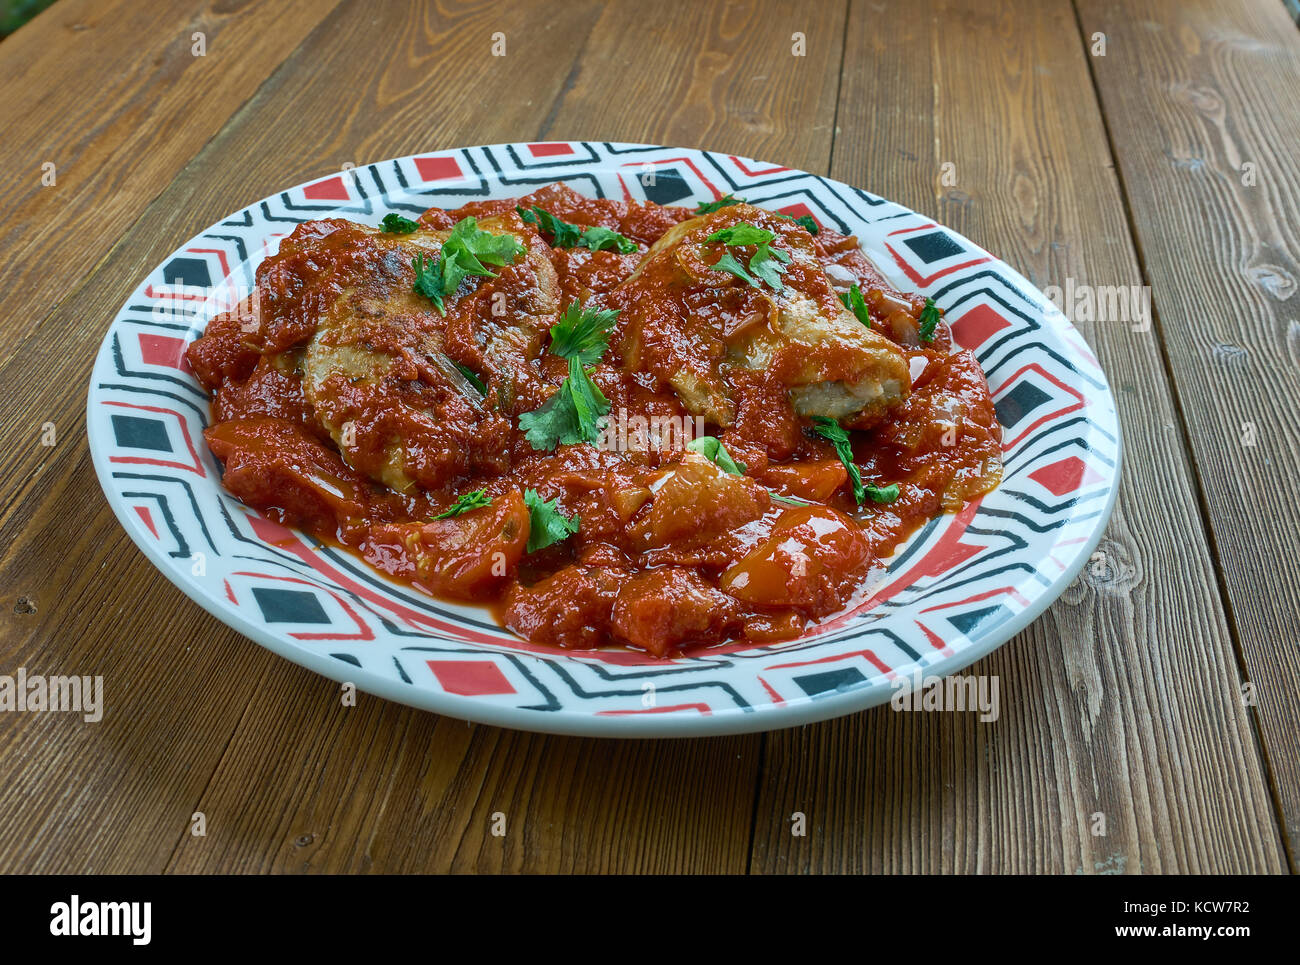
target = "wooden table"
x: 1169, y: 160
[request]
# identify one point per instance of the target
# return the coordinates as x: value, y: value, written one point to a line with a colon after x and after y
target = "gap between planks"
x: 1184, y: 433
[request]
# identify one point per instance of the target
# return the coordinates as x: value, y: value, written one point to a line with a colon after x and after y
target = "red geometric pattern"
x: 561, y: 149
x: 163, y: 350
x: 1065, y: 476
x: 470, y: 678
x: 977, y: 326
x: 438, y: 168
x: 331, y: 189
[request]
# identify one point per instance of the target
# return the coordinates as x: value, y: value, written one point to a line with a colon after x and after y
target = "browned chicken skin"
x: 694, y: 326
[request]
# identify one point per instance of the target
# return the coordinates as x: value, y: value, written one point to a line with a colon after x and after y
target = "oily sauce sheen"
x: 340, y: 405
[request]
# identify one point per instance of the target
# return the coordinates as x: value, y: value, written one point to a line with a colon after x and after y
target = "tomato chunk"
x: 463, y: 556
x: 276, y: 466
x: 696, y: 500
x: 659, y: 610
x: 569, y: 608
x: 813, y: 479
x: 813, y: 559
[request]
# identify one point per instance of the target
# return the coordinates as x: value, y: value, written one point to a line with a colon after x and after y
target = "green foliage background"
x: 15, y: 13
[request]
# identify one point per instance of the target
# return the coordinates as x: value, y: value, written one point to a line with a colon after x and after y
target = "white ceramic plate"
x: 960, y: 587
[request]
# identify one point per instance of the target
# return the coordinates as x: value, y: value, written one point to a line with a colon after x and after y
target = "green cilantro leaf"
x: 483, y: 246
x: 571, y: 415
x: 834, y: 433
x: 730, y: 263
x: 582, y: 332
x: 929, y: 321
x: 809, y: 225
x: 574, y: 411
x: 397, y: 225
x: 547, y: 525
x: 712, y: 449
x: 472, y: 377
x: 465, y: 502
x: 708, y: 207
x: 804, y: 221
x: 741, y: 233
x: 428, y: 280
x: 563, y: 234
x: 767, y: 263
x: 599, y: 238
x: 467, y: 251
x: 855, y: 303
x: 882, y: 494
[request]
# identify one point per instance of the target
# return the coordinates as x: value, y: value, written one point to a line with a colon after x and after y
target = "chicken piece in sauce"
x: 377, y: 373
x: 697, y: 327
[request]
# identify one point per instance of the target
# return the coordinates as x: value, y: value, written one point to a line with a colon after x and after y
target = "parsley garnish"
x: 855, y: 303
x: 708, y: 207
x: 573, y: 412
x: 767, y: 263
x: 465, y: 502
x: 742, y: 233
x: 467, y: 251
x: 929, y: 321
x: 472, y: 378
x: 834, y: 433
x: 397, y: 225
x: 712, y: 449
x: 566, y: 235
x: 789, y: 500
x: 809, y: 225
x: 600, y: 238
x: 428, y: 279
x: 882, y: 494
x: 732, y: 265
x: 571, y: 415
x: 547, y: 524
x: 804, y: 221
x: 582, y: 333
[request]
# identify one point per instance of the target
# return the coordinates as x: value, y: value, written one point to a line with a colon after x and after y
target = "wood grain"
x: 50, y: 528
x: 112, y: 95
x: 1121, y: 700
x: 1113, y: 702
x: 1214, y: 184
x: 724, y: 77
x: 260, y: 799
x: 569, y: 804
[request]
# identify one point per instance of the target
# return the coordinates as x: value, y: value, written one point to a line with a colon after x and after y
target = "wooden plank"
x: 308, y: 785
x: 256, y: 812
x: 569, y: 804
x: 178, y: 682
x: 112, y: 95
x: 116, y: 142
x: 1123, y: 698
x: 1214, y: 188
x: 719, y: 76
x: 77, y: 599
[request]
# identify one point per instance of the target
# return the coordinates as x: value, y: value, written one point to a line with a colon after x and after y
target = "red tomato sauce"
x: 672, y: 553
